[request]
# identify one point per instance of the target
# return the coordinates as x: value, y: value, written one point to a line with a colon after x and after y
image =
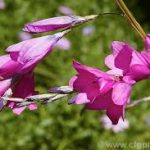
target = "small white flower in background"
x: 147, y: 120
x: 2, y: 4
x: 65, y: 10
x: 24, y: 36
x: 120, y: 127
x: 88, y: 30
x: 63, y: 44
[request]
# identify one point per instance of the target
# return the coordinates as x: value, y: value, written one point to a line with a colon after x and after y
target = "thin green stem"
x: 131, y: 19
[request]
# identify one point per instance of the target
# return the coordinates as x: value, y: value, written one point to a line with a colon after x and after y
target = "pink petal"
x: 117, y: 47
x: 72, y: 80
x: 121, y: 93
x: 8, y: 67
x: 109, y: 61
x: 18, y: 111
x: 30, y: 52
x: 52, y: 24
x: 32, y: 106
x: 101, y: 102
x: 79, y: 99
x: 139, y: 72
x: 138, y: 58
x: 4, y: 86
x: 115, y: 72
x: 86, y: 69
x: 25, y: 86
x: 114, y: 112
x: 124, y: 57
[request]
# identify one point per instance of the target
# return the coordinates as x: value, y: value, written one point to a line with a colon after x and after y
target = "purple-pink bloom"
x: 24, y: 87
x: 101, y: 91
x: 131, y: 62
x: 8, y: 67
x: 29, y: 53
x: 64, y: 10
x: 52, y: 24
x: 111, y: 90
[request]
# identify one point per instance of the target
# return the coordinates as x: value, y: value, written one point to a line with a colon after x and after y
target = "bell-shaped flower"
x: 55, y: 23
x: 52, y: 24
x: 101, y: 90
x: 30, y: 52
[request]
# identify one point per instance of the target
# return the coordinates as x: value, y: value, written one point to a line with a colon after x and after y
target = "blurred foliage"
x: 58, y: 126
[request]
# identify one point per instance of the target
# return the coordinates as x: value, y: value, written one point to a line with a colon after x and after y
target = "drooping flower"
x: 24, y: 56
x: 64, y: 10
x: 120, y: 127
x: 101, y: 91
x: 55, y: 23
x: 24, y: 87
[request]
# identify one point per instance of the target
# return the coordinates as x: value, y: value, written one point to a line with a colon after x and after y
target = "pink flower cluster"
x: 98, y: 90
x: 111, y: 90
x: 17, y: 66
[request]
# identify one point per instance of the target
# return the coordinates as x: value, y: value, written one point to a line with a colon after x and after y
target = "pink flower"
x: 8, y: 67
x: 133, y: 63
x: 111, y: 90
x: 52, y: 24
x: 120, y: 127
x: 24, y: 56
x: 65, y: 10
x: 23, y: 88
x: 101, y: 91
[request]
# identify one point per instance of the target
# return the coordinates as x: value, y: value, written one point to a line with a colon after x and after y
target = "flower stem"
x: 131, y: 19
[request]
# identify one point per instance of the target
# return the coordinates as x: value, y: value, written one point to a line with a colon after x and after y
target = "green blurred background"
x: 59, y: 126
